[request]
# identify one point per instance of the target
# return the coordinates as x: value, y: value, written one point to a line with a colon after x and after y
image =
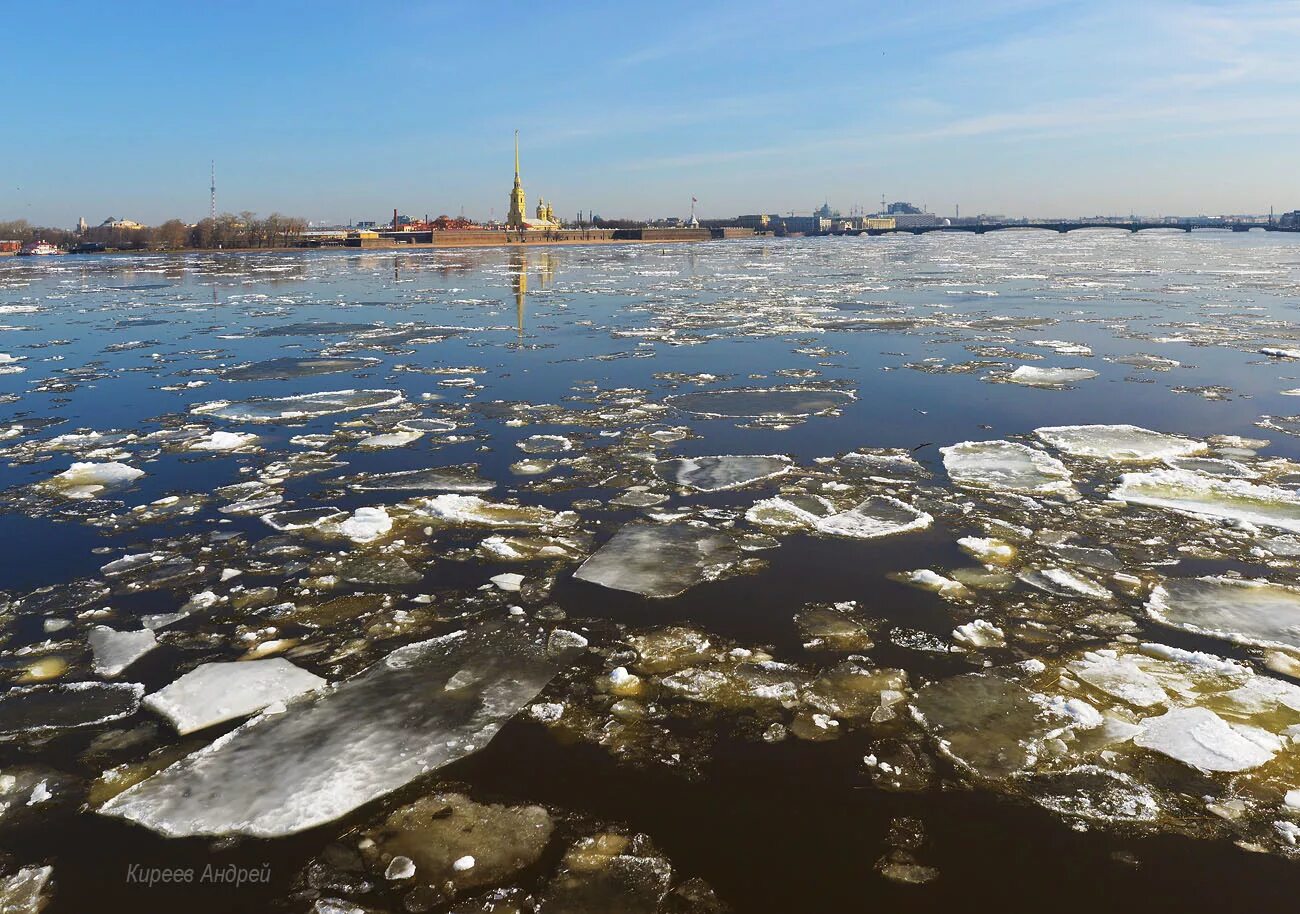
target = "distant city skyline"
x: 336, y: 112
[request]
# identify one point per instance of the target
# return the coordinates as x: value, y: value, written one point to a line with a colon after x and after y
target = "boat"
x: 38, y: 249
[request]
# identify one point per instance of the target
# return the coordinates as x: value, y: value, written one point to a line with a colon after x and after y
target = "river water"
x: 436, y: 581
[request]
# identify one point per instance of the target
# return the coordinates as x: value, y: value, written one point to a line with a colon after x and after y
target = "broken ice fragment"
x: 1248, y: 612
x: 470, y: 509
x: 980, y: 633
x: 716, y: 474
x: 330, y: 753
x: 26, y: 891
x: 213, y: 693
x: 43, y: 708
x: 366, y: 525
x: 1005, y: 465
x: 1033, y: 376
x: 300, y: 406
x: 1119, y: 443
x: 1231, y: 499
x: 114, y: 651
x: 453, y: 844
x: 659, y: 560
x: 1198, y: 737
x: 86, y: 480
x: 877, y: 516
x: 284, y: 368
x: 222, y: 441
x: 777, y: 402
x: 447, y: 479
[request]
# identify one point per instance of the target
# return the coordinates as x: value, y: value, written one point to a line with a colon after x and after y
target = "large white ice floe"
x: 223, y: 441
x: 300, y: 406
x: 659, y: 560
x: 114, y: 651
x: 716, y: 474
x: 213, y: 693
x: 423, y: 706
x: 1006, y: 466
x: 1230, y: 499
x: 877, y: 516
x: 1200, y: 738
x: 1118, y: 443
x: 1033, y: 376
x: 1247, y: 612
x: 86, y: 480
x: 366, y: 524
x: 474, y: 511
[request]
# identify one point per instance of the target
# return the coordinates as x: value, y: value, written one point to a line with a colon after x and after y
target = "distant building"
x: 10, y: 247
x: 917, y: 220
x: 759, y: 222
x: 81, y: 226
x: 1290, y: 220
x: 127, y: 224
x: 905, y: 209
x: 879, y: 222
x: 804, y: 224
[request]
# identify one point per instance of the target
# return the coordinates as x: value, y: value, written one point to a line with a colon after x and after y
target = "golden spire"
x: 518, y: 202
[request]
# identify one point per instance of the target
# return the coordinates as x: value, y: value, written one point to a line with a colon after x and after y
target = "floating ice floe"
x: 775, y: 402
x: 1200, y: 738
x: 877, y: 516
x: 366, y: 525
x: 1119, y: 443
x: 45, y: 708
x: 87, y: 480
x: 26, y: 891
x: 399, y: 438
x: 1064, y: 582
x: 1229, y: 499
x: 213, y: 693
x: 425, y: 705
x: 1007, y: 466
x: 475, y: 511
x: 1278, y: 353
x: 1033, y: 376
x: 222, y: 441
x: 1247, y: 612
x: 545, y: 444
x: 716, y: 474
x: 284, y: 368
x: 659, y: 560
x: 114, y: 651
x: 451, y: 844
x: 447, y: 479
x: 301, y: 406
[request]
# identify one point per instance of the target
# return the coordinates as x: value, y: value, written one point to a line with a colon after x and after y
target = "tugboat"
x: 38, y: 249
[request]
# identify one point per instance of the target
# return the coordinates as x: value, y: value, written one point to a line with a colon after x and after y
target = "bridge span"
x: 1062, y: 227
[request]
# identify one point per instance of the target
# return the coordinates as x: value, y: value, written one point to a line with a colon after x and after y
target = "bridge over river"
x: 981, y: 228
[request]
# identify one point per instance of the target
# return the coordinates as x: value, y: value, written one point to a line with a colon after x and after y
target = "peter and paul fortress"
x: 517, y: 218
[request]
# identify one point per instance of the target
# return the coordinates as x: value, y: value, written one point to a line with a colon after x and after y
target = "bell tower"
x: 518, y: 202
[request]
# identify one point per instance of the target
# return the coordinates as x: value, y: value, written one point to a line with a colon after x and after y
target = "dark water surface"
x: 562, y: 375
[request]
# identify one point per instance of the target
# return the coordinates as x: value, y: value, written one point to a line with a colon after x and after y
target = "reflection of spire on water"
x: 546, y: 265
x: 519, y: 279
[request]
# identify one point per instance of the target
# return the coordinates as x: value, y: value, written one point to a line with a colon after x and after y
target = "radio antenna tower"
x: 212, y: 205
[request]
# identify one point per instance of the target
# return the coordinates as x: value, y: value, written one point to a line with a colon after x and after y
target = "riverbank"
x: 445, y: 240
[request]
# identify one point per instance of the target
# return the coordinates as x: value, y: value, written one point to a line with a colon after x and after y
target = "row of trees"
x: 229, y: 230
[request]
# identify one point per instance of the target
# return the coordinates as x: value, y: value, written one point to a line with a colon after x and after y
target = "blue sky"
x: 343, y: 110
